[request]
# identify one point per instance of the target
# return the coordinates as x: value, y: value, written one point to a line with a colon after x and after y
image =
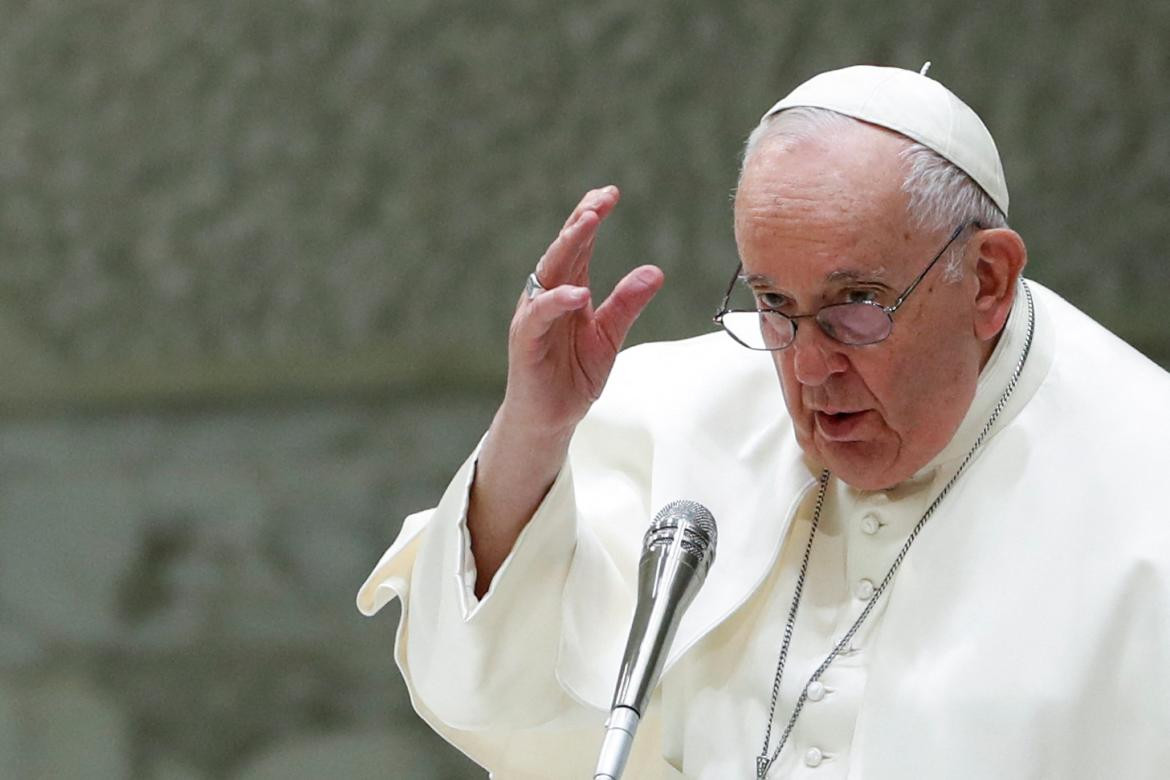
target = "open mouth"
x: 838, y: 426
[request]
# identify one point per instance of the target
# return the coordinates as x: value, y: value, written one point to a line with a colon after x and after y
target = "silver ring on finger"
x: 533, y: 287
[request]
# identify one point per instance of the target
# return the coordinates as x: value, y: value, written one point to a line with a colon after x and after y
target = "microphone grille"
x: 693, y: 520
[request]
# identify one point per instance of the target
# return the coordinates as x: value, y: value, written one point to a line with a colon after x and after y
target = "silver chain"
x: 763, y: 760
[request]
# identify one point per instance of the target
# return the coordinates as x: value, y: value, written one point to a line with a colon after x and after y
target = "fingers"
x: 563, y: 261
x: 566, y: 261
x: 600, y: 201
x: 617, y: 314
x: 543, y: 311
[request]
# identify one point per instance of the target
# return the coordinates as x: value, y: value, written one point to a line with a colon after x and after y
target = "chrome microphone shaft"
x: 668, y: 580
x: 677, y: 552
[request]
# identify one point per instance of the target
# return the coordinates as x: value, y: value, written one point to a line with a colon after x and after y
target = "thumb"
x: 617, y: 314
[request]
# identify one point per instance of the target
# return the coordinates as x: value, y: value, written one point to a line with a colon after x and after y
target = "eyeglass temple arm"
x: 901, y: 298
x: 727, y: 295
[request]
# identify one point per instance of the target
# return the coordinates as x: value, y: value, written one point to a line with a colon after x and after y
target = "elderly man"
x: 941, y: 554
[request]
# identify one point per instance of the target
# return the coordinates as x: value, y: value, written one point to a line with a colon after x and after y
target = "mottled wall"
x: 256, y: 263
x: 177, y: 588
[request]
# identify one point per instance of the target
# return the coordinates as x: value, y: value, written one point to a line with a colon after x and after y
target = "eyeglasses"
x: 854, y: 323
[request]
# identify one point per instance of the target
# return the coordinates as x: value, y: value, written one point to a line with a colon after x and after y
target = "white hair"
x: 942, y: 196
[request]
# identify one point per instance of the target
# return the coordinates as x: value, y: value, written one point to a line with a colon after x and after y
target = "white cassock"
x: 1026, y: 634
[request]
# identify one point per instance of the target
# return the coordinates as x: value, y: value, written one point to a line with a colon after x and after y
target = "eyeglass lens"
x: 855, y: 323
x: 849, y: 323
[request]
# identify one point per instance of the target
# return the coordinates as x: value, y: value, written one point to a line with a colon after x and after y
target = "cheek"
x: 904, y: 389
x: 926, y: 386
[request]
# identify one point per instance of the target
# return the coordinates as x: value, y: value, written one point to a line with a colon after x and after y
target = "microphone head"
x: 693, y: 521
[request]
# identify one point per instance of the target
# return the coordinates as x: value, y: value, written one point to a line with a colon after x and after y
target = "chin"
x: 861, y: 464
x: 864, y: 465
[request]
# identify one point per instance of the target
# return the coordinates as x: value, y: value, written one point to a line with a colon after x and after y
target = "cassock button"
x: 863, y: 590
x: 813, y: 757
x: 816, y: 690
x: 870, y: 525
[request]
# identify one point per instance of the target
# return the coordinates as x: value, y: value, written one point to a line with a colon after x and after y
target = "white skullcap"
x: 914, y: 105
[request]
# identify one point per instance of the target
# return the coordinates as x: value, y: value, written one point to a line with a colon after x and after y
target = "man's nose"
x: 815, y: 356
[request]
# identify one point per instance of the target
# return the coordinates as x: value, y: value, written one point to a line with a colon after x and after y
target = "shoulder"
x: 1102, y: 405
x: 1082, y: 341
x: 709, y: 351
x: 1104, y: 376
x: 696, y: 377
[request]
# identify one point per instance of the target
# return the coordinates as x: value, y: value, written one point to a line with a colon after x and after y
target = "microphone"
x: 677, y: 551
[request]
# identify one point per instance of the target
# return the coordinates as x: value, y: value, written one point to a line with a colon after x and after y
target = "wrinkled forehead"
x: 849, y: 182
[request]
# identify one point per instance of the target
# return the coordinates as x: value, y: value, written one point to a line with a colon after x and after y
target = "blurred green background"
x: 257, y: 260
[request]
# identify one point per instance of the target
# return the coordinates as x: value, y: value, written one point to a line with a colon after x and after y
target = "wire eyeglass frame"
x: 825, y: 327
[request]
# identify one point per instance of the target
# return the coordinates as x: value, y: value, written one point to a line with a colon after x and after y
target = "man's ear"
x: 1000, y: 256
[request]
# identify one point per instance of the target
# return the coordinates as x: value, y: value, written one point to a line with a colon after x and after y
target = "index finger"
x: 600, y: 201
x: 561, y: 262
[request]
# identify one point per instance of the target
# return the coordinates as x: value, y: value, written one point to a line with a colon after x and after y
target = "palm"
x: 561, y: 349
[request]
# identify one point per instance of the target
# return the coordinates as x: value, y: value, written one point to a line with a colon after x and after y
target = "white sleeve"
x: 490, y: 661
x: 520, y: 679
x: 482, y: 673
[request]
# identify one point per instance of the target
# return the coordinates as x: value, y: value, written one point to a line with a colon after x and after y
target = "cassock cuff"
x: 543, y: 534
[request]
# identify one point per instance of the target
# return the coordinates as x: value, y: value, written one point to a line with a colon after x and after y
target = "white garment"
x: 859, y: 535
x: 1027, y: 634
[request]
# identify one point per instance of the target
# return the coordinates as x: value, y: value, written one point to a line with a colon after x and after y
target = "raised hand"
x: 560, y: 352
x: 560, y: 349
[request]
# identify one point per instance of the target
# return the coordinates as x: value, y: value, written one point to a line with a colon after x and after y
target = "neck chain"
x: 765, y: 760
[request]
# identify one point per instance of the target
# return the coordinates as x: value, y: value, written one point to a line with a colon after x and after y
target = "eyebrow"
x: 853, y: 275
x: 757, y: 279
x: 840, y: 275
